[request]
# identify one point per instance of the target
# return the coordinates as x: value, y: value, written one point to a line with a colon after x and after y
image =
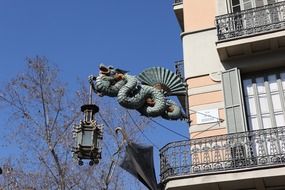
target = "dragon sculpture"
x: 147, y: 93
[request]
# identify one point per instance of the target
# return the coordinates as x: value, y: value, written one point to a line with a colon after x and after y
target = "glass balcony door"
x: 265, y: 102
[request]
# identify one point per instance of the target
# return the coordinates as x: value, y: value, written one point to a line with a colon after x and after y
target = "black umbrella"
x: 138, y: 161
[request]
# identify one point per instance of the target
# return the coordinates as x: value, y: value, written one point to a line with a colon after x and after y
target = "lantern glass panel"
x: 87, y: 138
x: 79, y: 138
x: 88, y: 116
x: 98, y: 143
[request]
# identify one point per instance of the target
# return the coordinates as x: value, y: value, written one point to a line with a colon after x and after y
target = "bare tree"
x: 42, y: 113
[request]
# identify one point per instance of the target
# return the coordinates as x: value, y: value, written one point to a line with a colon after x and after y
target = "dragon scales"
x: 147, y: 93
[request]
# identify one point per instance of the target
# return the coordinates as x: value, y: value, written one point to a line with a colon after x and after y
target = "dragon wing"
x: 163, y: 78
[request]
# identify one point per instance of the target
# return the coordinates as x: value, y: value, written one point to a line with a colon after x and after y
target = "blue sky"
x: 79, y: 35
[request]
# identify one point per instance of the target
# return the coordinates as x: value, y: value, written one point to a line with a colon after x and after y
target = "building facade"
x: 234, y: 68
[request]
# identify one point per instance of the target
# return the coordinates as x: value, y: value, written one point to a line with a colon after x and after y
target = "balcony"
x: 252, y: 151
x: 251, y: 22
x: 177, y: 2
x: 178, y: 10
x: 179, y: 70
x: 251, y: 31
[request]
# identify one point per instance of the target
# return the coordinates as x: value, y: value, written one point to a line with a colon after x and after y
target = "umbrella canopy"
x: 138, y: 161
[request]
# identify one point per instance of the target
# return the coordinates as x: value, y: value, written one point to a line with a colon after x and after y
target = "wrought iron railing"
x: 179, y: 69
x: 178, y: 2
x: 222, y: 153
x: 251, y: 21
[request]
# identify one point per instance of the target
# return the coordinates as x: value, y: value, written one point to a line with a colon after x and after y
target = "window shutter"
x: 233, y: 99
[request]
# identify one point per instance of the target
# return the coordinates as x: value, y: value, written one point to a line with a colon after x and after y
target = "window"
x: 263, y: 97
x: 236, y: 6
x: 264, y: 100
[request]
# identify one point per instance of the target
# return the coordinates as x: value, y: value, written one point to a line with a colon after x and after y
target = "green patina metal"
x: 147, y: 93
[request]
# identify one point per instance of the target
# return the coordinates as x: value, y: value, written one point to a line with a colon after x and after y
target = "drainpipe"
x: 187, y: 105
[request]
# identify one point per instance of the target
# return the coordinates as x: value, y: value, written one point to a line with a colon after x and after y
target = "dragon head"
x: 110, y: 70
x: 109, y: 80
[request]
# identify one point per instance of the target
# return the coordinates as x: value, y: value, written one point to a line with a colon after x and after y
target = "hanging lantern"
x: 88, y: 136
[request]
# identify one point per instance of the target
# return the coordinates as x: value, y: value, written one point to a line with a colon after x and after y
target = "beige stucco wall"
x: 200, y: 53
x: 199, y: 14
x: 205, y: 94
x: 200, y: 81
x: 200, y: 59
x: 206, y: 98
